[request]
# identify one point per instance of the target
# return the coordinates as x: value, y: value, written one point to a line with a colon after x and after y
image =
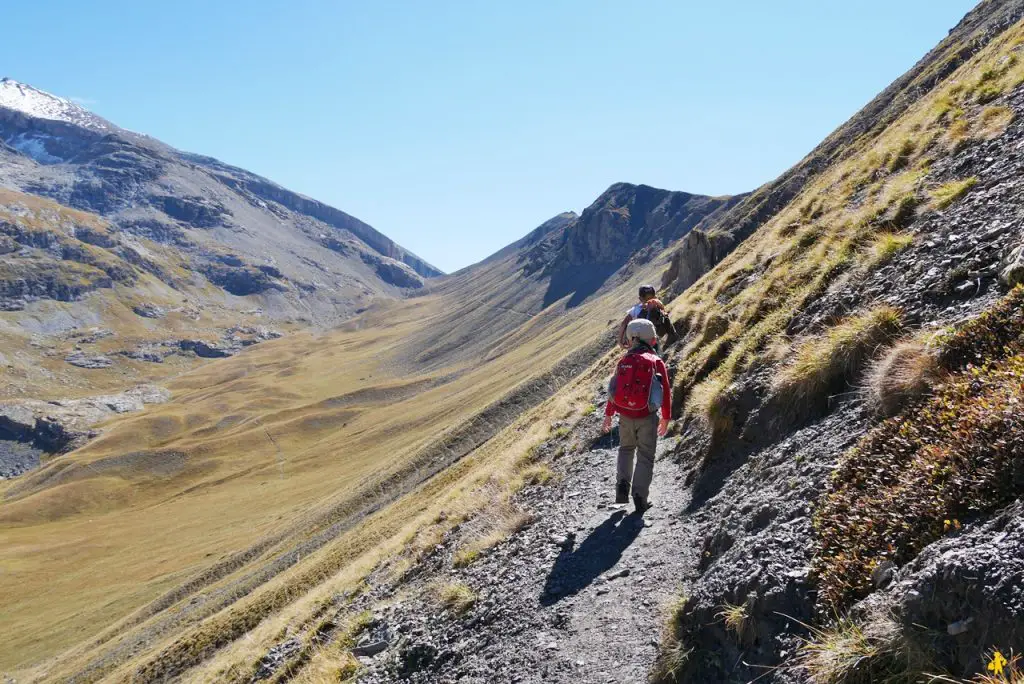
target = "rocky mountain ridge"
x: 240, y: 232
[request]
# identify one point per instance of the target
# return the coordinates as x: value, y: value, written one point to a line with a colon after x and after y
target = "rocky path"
x: 578, y: 596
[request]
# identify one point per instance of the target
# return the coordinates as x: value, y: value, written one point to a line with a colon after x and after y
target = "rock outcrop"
x: 60, y: 426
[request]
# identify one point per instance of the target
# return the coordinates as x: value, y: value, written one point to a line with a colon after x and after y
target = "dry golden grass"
x: 849, y: 653
x: 457, y: 597
x: 885, y: 246
x: 838, y: 354
x: 279, y: 442
x: 905, y: 373
x: 736, y: 619
x: 948, y: 193
x: 674, y: 652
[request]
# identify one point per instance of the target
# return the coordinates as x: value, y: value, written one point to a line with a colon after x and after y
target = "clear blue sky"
x: 457, y: 127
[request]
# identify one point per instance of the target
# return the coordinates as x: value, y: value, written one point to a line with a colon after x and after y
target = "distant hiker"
x: 650, y: 308
x: 637, y: 392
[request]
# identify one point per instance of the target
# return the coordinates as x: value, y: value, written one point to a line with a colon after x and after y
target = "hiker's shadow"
x: 600, y: 551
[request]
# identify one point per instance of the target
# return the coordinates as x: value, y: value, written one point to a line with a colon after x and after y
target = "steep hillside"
x: 274, y: 458
x: 838, y: 544
x: 124, y: 261
x: 186, y: 219
x: 423, y: 495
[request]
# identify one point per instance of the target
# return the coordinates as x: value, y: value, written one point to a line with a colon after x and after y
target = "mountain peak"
x: 40, y: 104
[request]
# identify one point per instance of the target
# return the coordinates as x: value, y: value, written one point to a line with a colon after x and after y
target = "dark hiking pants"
x: 637, y: 437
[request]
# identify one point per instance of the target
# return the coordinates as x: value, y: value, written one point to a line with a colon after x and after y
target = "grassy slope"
x: 35, y: 341
x: 269, y: 447
x: 844, y: 224
x: 230, y: 491
x: 841, y: 226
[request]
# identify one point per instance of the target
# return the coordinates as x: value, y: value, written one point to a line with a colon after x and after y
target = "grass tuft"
x: 538, y: 474
x: 903, y: 375
x: 948, y: 193
x: 823, y: 362
x: 736, y: 619
x: 465, y: 557
x: 885, y: 246
x: 674, y: 653
x: 456, y: 597
x: 848, y: 653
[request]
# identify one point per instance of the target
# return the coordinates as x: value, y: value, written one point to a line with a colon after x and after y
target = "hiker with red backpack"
x: 638, y: 391
x: 650, y: 308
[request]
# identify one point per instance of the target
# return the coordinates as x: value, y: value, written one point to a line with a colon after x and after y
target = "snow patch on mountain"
x: 42, y: 105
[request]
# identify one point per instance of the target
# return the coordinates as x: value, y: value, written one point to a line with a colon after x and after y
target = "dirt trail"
x: 579, y: 596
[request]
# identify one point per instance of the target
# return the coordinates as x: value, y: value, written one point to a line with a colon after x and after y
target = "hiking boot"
x: 622, y: 492
x: 641, y: 504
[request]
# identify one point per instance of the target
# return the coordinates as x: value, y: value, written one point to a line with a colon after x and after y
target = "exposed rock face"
x: 626, y: 224
x: 83, y: 360
x: 147, y: 310
x: 1011, y: 269
x: 394, y: 272
x: 59, y: 426
x: 193, y: 211
x: 239, y: 278
x: 697, y: 254
x: 309, y: 258
x: 627, y: 216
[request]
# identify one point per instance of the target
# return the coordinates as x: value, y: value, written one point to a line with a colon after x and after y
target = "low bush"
x: 994, y: 334
x: 957, y: 456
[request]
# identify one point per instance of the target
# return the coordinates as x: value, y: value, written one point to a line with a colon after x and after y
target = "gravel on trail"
x: 578, y: 596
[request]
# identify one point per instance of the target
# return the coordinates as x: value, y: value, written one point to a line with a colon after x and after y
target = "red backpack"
x: 634, y: 377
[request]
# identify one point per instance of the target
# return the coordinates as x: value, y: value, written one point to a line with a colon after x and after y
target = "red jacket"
x: 661, y: 371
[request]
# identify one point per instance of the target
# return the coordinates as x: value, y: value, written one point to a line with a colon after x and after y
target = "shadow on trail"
x: 600, y: 551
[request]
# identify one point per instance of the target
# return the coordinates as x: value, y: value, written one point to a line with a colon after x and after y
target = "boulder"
x: 148, y: 310
x: 63, y: 425
x: 1011, y: 269
x: 208, y: 350
x: 93, y: 361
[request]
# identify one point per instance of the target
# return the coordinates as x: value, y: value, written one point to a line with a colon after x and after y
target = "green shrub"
x: 992, y: 335
x: 959, y: 454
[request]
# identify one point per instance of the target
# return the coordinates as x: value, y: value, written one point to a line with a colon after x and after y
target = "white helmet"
x: 642, y: 329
